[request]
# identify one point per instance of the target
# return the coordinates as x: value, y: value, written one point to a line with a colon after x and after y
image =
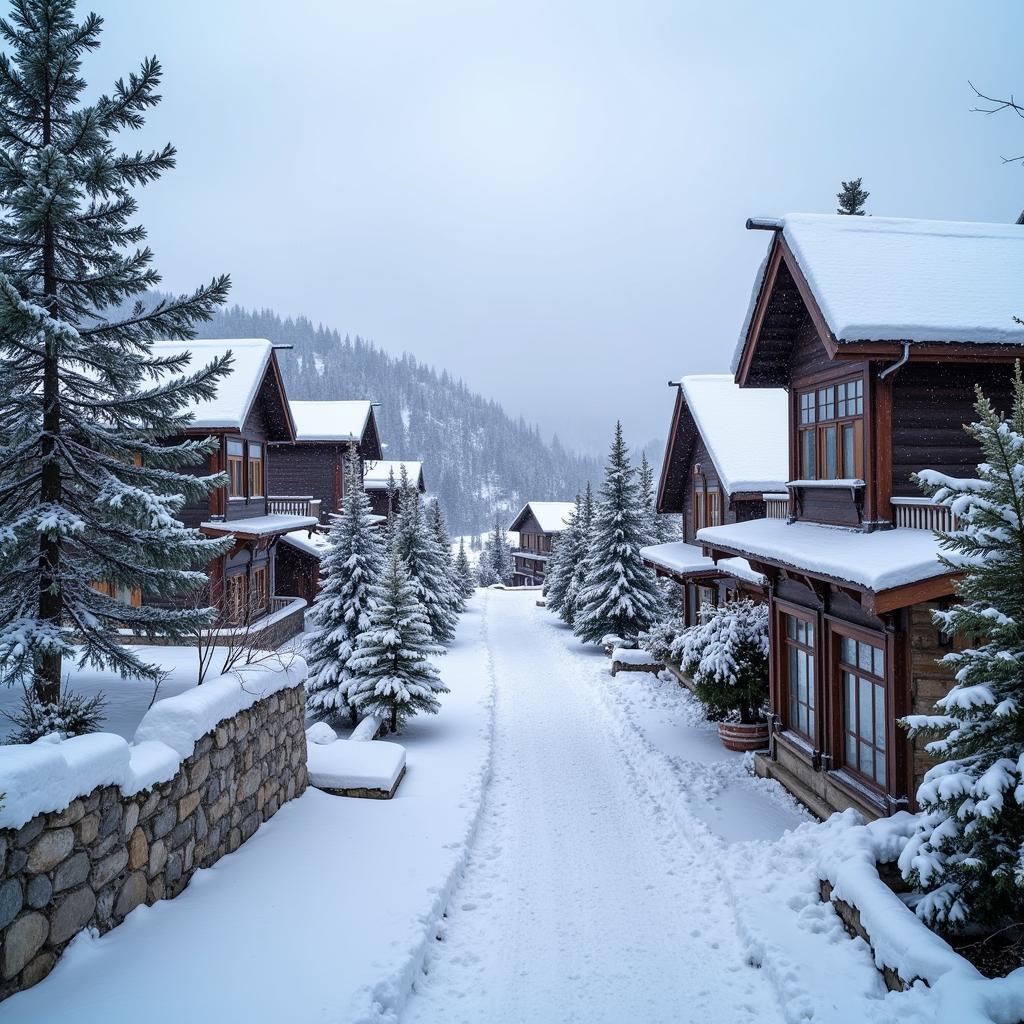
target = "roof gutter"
x: 899, y: 362
x: 764, y: 224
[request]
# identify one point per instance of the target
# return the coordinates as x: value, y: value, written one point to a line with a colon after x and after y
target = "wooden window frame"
x: 838, y: 629
x: 235, y: 464
x: 707, y: 504
x: 259, y: 588
x: 235, y: 597
x: 818, y: 410
x: 256, y: 470
x: 784, y: 610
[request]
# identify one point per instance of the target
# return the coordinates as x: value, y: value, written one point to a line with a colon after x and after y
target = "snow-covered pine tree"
x: 660, y: 529
x: 500, y: 553
x: 438, y: 527
x: 583, y: 533
x: 422, y: 561
x: 485, y: 567
x: 967, y: 854
x: 350, y: 573
x: 464, y: 572
x: 89, y: 488
x: 392, y: 511
x: 560, y: 565
x: 392, y: 675
x: 621, y: 595
x: 852, y: 198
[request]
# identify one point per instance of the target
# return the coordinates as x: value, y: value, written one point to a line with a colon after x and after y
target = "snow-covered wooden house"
x: 377, y: 477
x: 249, y: 414
x: 878, y: 329
x: 312, y: 466
x: 539, y: 525
x: 725, y: 460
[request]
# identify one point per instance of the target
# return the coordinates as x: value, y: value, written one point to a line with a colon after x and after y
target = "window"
x: 236, y: 456
x: 234, y: 598
x: 259, y: 594
x: 714, y: 507
x: 255, y: 470
x: 707, y: 600
x: 124, y: 595
x: 707, y: 505
x: 830, y: 433
x: 862, y: 676
x: 699, y: 506
x: 798, y: 654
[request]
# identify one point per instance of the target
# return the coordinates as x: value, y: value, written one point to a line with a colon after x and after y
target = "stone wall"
x: 91, y: 864
x: 928, y: 680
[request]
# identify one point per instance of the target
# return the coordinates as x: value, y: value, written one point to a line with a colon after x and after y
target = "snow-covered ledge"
x: 93, y: 826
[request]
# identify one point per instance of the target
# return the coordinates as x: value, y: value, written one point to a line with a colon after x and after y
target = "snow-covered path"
x: 582, y: 900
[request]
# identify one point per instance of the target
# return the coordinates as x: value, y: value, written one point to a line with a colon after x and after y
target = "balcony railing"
x: 293, y: 505
x: 922, y: 514
x: 529, y: 553
x: 776, y: 506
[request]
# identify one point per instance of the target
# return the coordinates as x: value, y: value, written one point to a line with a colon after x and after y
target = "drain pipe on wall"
x: 899, y: 362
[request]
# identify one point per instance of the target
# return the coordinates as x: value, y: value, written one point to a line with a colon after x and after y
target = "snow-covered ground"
x: 566, y: 846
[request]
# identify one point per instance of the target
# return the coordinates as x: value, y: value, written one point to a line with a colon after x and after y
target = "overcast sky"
x: 548, y: 198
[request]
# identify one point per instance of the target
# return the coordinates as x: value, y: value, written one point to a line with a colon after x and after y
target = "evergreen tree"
x: 582, y: 537
x: 350, y: 574
x: 968, y: 850
x: 620, y: 595
x: 852, y: 198
x: 464, y: 574
x: 485, y: 575
x: 391, y: 674
x: 443, y: 543
x: 422, y: 561
x: 89, y: 490
x: 660, y: 529
x: 561, y: 564
x: 392, y: 506
x: 500, y: 553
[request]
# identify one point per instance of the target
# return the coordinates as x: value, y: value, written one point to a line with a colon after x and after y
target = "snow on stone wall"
x: 116, y: 825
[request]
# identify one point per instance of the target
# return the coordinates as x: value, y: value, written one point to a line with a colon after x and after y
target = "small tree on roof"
x: 350, y: 574
x: 967, y: 854
x: 621, y: 594
x: 392, y: 676
x: 852, y: 198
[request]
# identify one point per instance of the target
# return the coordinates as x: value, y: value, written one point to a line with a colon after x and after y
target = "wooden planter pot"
x: 737, y: 736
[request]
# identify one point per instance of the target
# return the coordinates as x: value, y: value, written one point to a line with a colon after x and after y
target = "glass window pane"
x: 849, y: 705
x: 880, y: 717
x: 255, y: 451
x: 849, y: 456
x: 851, y: 750
x: 808, y: 470
x: 791, y: 627
x: 810, y: 680
x: 802, y: 718
x: 880, y: 767
x: 826, y: 403
x: 864, y: 724
x: 810, y: 635
x: 807, y: 407
x: 848, y: 651
x: 831, y: 458
x: 867, y: 760
x: 801, y: 677
x: 864, y: 656
x: 879, y: 658
x: 235, y: 448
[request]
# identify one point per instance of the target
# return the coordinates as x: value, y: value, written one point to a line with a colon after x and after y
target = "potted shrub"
x: 726, y: 656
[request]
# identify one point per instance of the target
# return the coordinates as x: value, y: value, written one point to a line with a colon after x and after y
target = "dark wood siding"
x: 306, y: 468
x: 931, y: 403
x: 298, y: 573
x: 808, y: 355
x: 703, y: 458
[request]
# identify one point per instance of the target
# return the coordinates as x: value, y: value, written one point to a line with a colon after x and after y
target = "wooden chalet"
x: 725, y: 459
x: 312, y: 466
x: 539, y: 525
x: 878, y: 329
x: 249, y: 414
x: 377, y: 477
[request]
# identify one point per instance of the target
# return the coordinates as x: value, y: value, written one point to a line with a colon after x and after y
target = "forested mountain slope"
x: 477, y: 459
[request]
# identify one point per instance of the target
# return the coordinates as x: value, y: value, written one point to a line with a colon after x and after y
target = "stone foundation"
x: 91, y: 864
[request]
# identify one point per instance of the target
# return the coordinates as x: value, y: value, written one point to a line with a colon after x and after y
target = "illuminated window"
x: 255, y: 470
x: 236, y: 469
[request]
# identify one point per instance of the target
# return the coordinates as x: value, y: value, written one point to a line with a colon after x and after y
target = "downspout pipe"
x: 899, y: 362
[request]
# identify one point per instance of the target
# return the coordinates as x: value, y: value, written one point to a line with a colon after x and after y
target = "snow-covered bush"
x: 726, y: 656
x: 967, y: 854
x: 71, y: 715
x: 658, y: 640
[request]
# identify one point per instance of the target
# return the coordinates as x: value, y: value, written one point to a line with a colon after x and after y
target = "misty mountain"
x: 477, y: 459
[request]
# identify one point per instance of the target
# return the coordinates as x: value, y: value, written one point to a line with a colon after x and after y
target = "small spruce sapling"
x: 392, y: 676
x: 967, y: 853
x: 464, y: 575
x: 851, y: 198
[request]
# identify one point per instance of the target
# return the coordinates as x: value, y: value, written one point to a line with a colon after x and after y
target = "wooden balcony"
x: 922, y: 514
x: 776, y: 506
x: 293, y: 505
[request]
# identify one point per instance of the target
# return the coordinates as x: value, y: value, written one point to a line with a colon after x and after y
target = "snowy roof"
x: 261, y: 526
x: 875, y: 561
x: 314, y: 543
x: 896, y: 279
x: 236, y: 392
x: 330, y: 421
x: 746, y: 430
x: 551, y: 516
x: 690, y: 560
x: 376, y: 473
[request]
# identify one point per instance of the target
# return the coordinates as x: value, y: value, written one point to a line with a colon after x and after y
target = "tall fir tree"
x: 350, y: 574
x: 422, y: 561
x: 851, y: 198
x: 393, y: 676
x: 438, y: 527
x: 582, y: 537
x: 464, y: 574
x: 90, y: 490
x: 485, y: 575
x: 620, y: 595
x: 500, y: 553
x: 967, y: 853
x: 660, y: 529
x: 560, y: 564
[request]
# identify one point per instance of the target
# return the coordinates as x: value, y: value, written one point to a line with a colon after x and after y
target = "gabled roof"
x: 879, y: 281
x: 253, y: 367
x: 746, y: 433
x: 376, y: 473
x: 551, y: 516
x: 331, y: 421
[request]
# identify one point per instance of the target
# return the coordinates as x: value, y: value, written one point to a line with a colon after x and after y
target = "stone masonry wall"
x: 94, y: 862
x: 928, y: 680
